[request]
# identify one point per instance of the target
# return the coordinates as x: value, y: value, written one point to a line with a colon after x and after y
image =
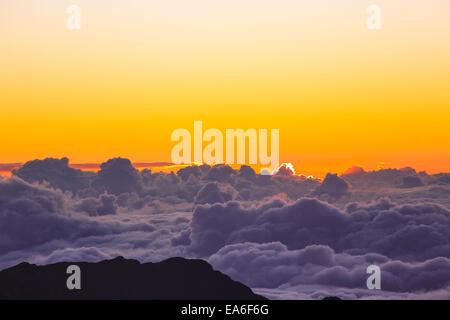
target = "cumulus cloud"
x: 354, y: 171
x: 271, y: 265
x: 36, y: 221
x: 268, y: 236
x: 220, y: 173
x: 285, y: 170
x: 411, y: 182
x: 106, y: 204
x: 317, y: 292
x: 212, y: 193
x: 247, y: 172
x: 442, y: 179
x: 56, y: 172
x: 117, y: 176
x: 384, y: 178
x: 333, y: 186
x: 185, y: 173
x: 413, y: 232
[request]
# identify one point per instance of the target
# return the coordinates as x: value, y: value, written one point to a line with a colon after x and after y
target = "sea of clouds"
x: 286, y: 236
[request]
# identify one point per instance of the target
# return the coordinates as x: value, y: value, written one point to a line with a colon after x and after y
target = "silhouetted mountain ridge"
x: 120, y: 278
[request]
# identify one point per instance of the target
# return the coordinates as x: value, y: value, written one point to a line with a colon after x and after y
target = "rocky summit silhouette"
x: 120, y: 278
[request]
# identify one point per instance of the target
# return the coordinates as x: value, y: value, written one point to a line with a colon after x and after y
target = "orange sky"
x: 340, y: 94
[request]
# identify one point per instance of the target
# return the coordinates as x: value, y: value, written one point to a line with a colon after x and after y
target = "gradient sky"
x: 340, y: 94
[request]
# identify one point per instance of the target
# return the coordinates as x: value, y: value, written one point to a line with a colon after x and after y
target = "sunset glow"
x: 340, y: 94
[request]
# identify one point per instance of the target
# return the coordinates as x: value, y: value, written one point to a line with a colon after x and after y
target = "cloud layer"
x: 412, y: 232
x: 277, y: 234
x: 272, y: 265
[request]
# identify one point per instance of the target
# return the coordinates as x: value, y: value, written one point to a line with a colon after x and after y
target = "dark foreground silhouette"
x: 174, y: 278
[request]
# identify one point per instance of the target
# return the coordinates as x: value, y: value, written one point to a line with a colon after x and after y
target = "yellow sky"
x: 340, y: 94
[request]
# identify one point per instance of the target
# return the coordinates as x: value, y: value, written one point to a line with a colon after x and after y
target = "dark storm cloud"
x: 412, y: 232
